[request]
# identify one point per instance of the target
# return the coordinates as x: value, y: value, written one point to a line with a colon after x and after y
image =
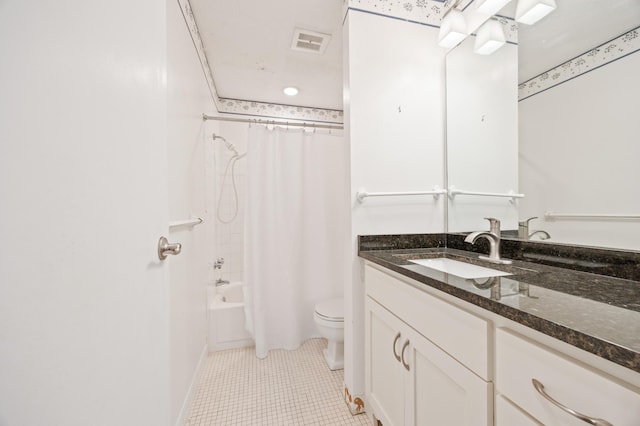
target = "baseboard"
x: 188, y: 400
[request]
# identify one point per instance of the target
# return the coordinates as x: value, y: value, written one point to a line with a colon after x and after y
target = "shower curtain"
x: 296, y: 232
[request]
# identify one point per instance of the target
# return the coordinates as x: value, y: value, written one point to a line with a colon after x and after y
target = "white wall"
x: 394, y: 118
x: 84, y: 335
x: 191, y: 187
x: 482, y: 135
x: 579, y: 153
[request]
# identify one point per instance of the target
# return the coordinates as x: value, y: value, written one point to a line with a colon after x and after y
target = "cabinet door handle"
x: 592, y: 421
x: 395, y: 341
x: 406, y: 364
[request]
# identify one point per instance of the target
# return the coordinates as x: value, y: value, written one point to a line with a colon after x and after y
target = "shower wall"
x: 229, y: 237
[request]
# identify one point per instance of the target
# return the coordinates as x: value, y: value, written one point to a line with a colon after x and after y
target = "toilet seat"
x: 330, y: 310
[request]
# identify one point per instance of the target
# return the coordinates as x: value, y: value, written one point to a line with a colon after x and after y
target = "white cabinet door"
x: 411, y: 381
x: 384, y: 373
x: 441, y: 390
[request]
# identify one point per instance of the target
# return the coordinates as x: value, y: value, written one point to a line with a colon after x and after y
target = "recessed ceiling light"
x: 290, y: 91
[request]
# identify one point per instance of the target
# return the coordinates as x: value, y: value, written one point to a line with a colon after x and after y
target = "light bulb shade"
x: 491, y: 7
x: 453, y: 29
x: 490, y: 38
x: 531, y: 11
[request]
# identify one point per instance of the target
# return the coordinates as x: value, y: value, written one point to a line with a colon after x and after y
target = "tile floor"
x: 287, y: 388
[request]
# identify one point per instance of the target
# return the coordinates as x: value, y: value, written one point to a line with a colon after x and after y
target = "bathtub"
x: 225, y: 311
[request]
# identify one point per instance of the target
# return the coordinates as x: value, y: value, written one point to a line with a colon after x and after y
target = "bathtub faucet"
x: 220, y: 282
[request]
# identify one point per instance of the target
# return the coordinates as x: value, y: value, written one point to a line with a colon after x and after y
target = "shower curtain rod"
x: 206, y: 117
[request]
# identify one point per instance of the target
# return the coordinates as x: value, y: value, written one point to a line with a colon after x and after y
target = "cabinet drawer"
x: 508, y: 414
x: 461, y: 334
x: 520, y: 360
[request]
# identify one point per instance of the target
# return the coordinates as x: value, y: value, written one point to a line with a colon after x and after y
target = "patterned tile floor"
x: 292, y: 388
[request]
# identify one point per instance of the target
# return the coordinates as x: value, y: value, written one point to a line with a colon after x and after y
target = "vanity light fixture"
x: 531, y: 11
x: 453, y: 28
x: 491, y: 7
x: 290, y: 91
x: 490, y: 37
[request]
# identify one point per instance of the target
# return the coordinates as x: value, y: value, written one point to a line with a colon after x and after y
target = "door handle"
x: 165, y: 248
x: 406, y: 364
x: 591, y: 420
x: 395, y: 341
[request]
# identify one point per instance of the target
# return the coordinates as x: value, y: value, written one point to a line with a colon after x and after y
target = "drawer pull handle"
x: 395, y: 341
x: 406, y: 365
x: 592, y: 421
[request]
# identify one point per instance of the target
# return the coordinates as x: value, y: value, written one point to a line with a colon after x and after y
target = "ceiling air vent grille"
x: 310, y: 41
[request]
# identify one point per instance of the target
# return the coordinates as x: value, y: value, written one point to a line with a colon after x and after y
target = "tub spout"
x: 220, y: 282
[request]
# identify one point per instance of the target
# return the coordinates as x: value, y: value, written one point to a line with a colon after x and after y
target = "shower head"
x: 229, y: 145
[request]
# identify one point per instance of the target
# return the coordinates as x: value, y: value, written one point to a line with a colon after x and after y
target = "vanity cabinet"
x: 411, y: 377
x: 507, y: 414
x: 520, y: 360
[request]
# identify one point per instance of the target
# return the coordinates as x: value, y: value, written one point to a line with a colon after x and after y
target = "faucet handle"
x: 494, y: 225
x: 218, y: 263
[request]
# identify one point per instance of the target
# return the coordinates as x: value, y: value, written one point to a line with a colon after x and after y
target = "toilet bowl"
x: 329, y: 318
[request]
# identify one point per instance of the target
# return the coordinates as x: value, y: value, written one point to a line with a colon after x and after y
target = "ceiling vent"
x: 310, y: 41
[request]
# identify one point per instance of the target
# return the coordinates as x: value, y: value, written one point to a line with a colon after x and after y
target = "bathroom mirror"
x: 577, y: 139
x: 482, y: 125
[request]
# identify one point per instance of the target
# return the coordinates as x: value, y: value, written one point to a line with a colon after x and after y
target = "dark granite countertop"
x: 599, y: 313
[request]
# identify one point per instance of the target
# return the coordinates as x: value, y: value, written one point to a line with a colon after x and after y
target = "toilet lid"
x: 331, y: 309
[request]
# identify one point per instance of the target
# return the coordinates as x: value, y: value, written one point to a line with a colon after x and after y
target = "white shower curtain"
x: 296, y: 232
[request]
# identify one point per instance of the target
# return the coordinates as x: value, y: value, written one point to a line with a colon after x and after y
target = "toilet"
x: 329, y: 318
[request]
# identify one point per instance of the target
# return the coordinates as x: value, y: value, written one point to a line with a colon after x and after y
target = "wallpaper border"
x: 604, y: 54
x: 424, y: 12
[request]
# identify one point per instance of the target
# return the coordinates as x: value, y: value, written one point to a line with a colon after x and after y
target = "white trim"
x: 195, y: 380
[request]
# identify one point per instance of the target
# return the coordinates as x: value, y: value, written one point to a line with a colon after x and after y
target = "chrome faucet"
x: 218, y: 265
x: 493, y: 236
x: 523, y: 230
x: 220, y: 282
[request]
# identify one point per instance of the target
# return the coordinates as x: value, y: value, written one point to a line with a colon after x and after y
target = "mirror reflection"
x: 577, y: 132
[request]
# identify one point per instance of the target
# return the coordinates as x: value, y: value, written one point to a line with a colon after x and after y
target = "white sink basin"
x: 459, y: 269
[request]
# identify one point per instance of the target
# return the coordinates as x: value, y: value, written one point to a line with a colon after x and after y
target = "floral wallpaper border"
x: 426, y: 12
x: 190, y: 20
x: 247, y: 107
x: 421, y: 11
x: 597, y: 57
x: 280, y: 111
